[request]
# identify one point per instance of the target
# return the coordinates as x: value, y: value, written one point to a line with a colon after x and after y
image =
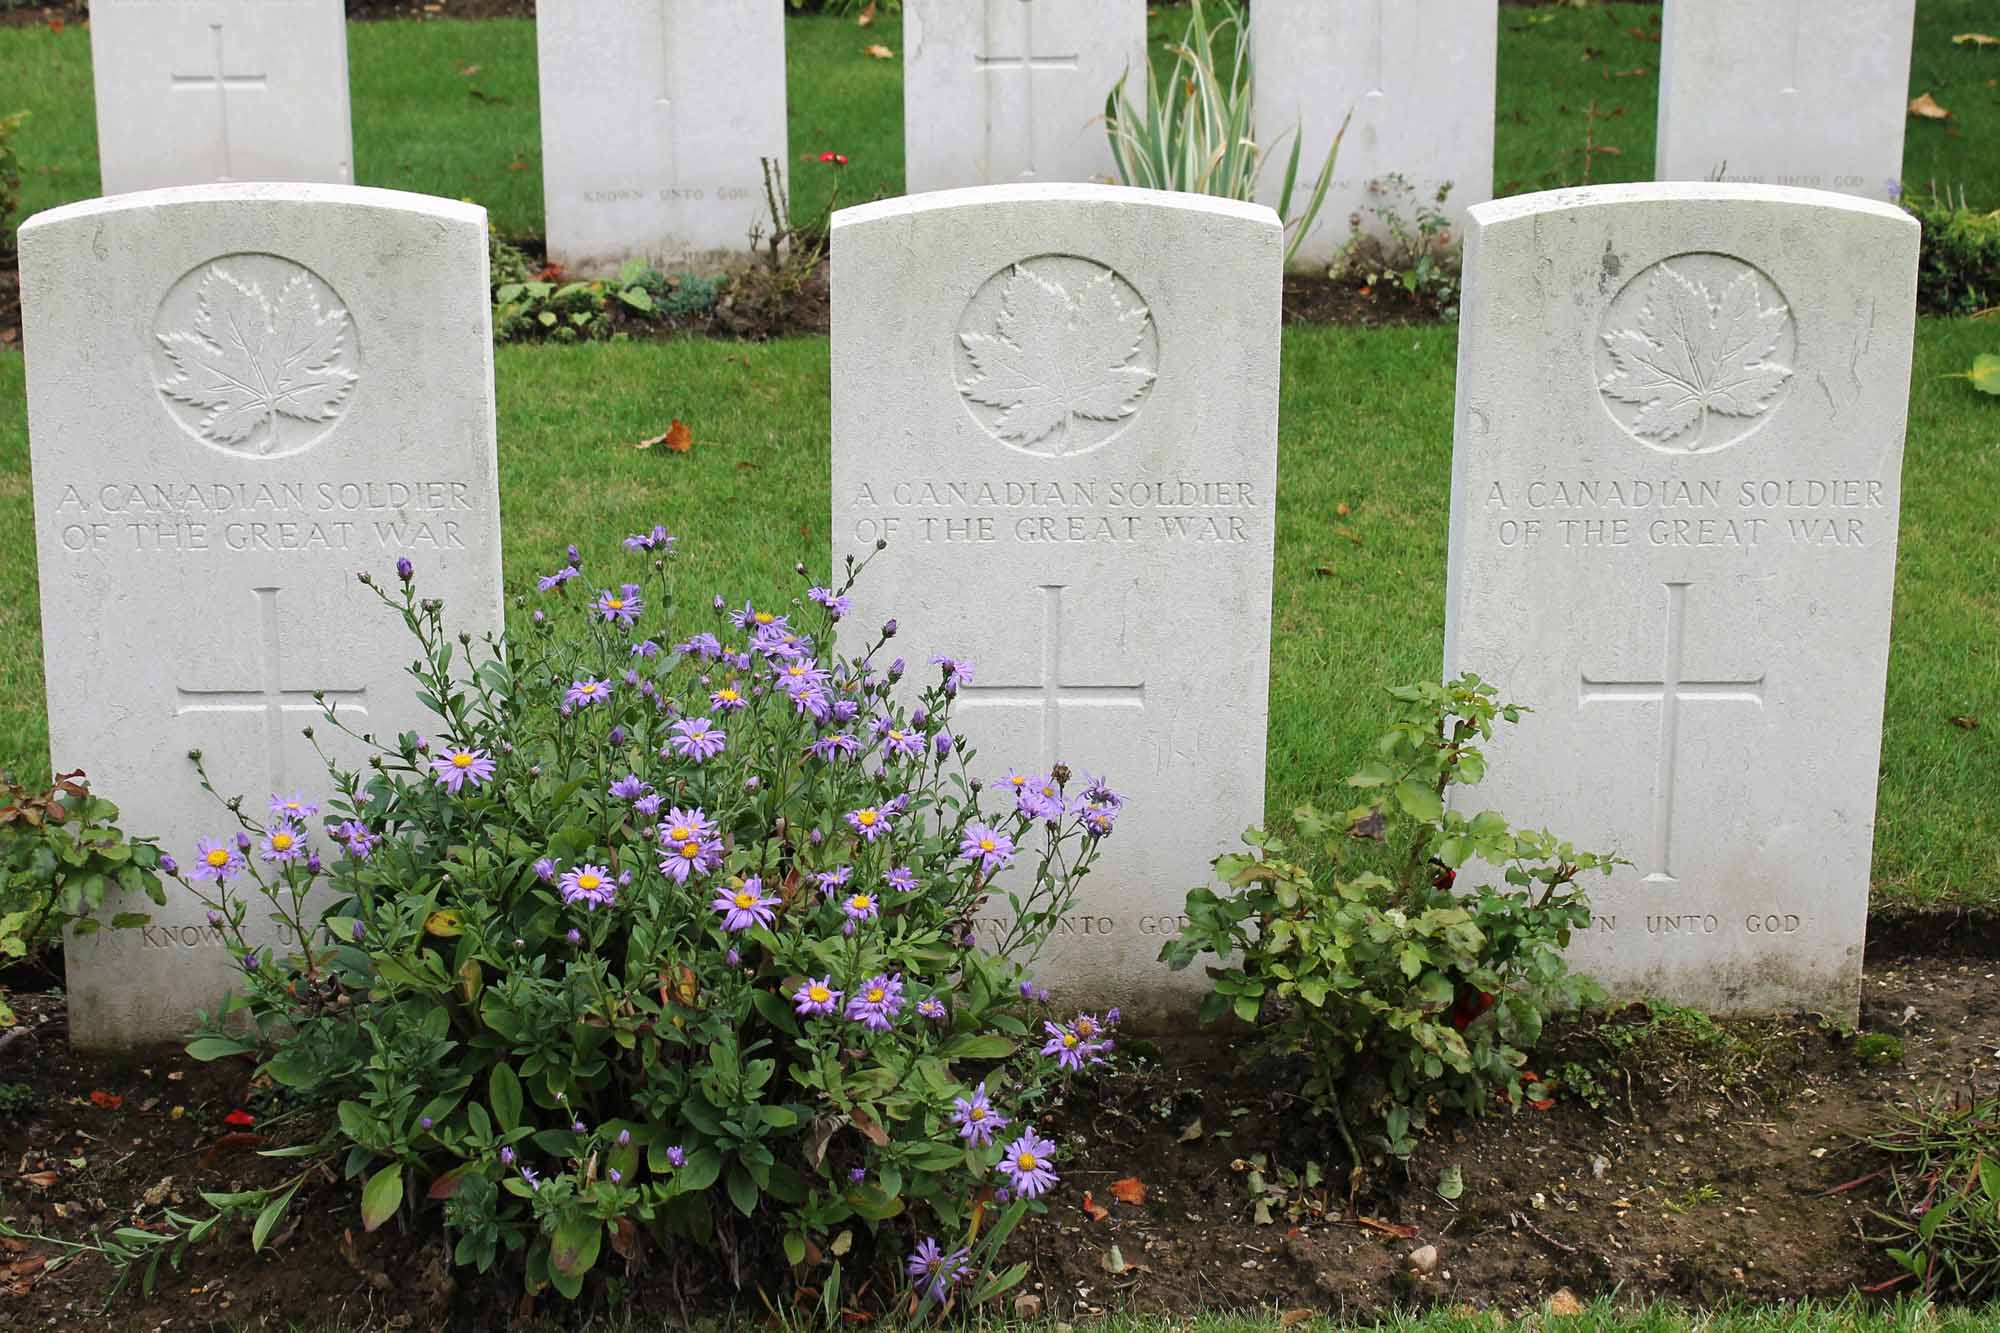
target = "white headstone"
x: 1676, y: 473
x: 1059, y: 406
x: 996, y: 91
x: 1811, y: 93
x: 238, y: 397
x: 1418, y: 77
x: 191, y: 92
x: 656, y: 118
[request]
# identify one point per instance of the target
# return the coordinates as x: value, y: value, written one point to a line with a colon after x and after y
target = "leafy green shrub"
x: 665, y: 937
x: 1400, y: 991
x: 1414, y: 247
x: 532, y: 301
x: 1958, y: 268
x: 1194, y: 132
x: 10, y: 178
x: 61, y: 854
x: 1942, y: 1222
x: 17, y: 1101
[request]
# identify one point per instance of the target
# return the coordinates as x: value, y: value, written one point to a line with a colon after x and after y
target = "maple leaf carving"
x: 1054, y: 355
x: 249, y: 360
x: 1692, y: 354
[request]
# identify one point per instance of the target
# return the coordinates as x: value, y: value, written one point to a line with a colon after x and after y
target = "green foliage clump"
x: 1401, y: 991
x: 1194, y: 133
x: 678, y: 929
x: 17, y: 1101
x: 62, y: 856
x: 535, y: 302
x: 1414, y: 247
x: 10, y: 178
x: 1958, y: 267
x: 1941, y: 1223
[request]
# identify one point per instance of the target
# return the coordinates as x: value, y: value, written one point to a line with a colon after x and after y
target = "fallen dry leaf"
x: 1290, y: 1317
x: 1130, y: 1190
x: 867, y: 15
x: 1926, y: 106
x: 675, y: 439
x: 1094, y: 1210
x: 879, y: 51
x: 1962, y: 39
x: 230, y: 1143
x: 105, y: 1101
x: 1396, y: 1229
x: 41, y: 1180
x: 1965, y: 722
x: 1565, y: 1303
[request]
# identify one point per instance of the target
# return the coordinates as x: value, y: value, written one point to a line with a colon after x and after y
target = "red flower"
x: 837, y: 159
x: 239, y: 1118
x: 1468, y: 1007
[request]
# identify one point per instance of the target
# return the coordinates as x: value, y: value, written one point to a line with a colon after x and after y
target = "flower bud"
x: 404, y: 569
x: 506, y: 1157
x: 242, y: 842
x: 538, y: 617
x: 425, y: 1122
x: 214, y: 920
x: 617, y: 736
x: 889, y: 628
x: 168, y: 864
x: 359, y: 931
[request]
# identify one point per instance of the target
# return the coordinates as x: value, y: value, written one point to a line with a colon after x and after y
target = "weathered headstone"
x: 656, y: 118
x: 1809, y: 93
x: 197, y: 91
x: 1418, y: 77
x: 239, y: 396
x: 996, y: 91
x: 1058, y: 404
x: 1676, y: 473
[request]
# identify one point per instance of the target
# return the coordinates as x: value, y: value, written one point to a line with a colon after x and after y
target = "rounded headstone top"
x: 979, y: 196
x: 257, y: 192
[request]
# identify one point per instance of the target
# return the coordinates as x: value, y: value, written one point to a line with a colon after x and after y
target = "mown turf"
x: 1365, y: 424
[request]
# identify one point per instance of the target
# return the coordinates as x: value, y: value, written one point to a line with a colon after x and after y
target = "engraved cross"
x: 222, y: 82
x: 1027, y: 62
x: 664, y: 102
x: 1050, y: 694
x: 271, y: 698
x: 1670, y: 692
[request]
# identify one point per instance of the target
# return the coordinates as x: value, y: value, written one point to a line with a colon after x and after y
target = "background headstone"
x: 239, y: 396
x: 656, y: 118
x: 1811, y: 93
x: 1418, y: 76
x: 1059, y: 405
x: 996, y: 91
x: 197, y: 91
x: 1676, y: 472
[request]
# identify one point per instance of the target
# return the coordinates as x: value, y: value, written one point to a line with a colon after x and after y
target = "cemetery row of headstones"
x: 648, y: 153
x: 1677, y: 450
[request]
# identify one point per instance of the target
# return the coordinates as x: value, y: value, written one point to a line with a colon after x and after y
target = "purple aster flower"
x: 1070, y: 1050
x: 780, y: 642
x: 728, y: 699
x: 933, y: 1271
x: 216, y: 859
x: 833, y: 745
x: 458, y: 766
x: 837, y: 604
x: 659, y: 539
x: 169, y: 866
x: 1039, y: 798
x: 622, y: 607
x: 871, y: 822
x: 683, y: 858
x: 284, y: 844
x: 750, y: 618
x: 506, y: 1157
x: 1026, y: 1165
x: 630, y: 788
x: 404, y: 569
x: 704, y: 645
x: 681, y: 825
x: 801, y: 674
x: 902, y: 879
x: 587, y: 691
x: 897, y: 741
x: 932, y: 1007
x: 645, y: 648
x: 1090, y: 1027
x: 876, y: 1002
x: 293, y: 809
x: 1097, y: 820
x: 861, y: 906
x: 956, y: 672
x: 677, y: 1156
x: 587, y: 884
x: 844, y: 711
x: 698, y: 739
x: 857, y: 1174
x: 534, y: 1181
x: 1016, y: 782
x: 353, y: 835
x: 978, y: 1119
x: 986, y: 847
x: 815, y: 998
x: 942, y: 743
x: 648, y: 805
x: 545, y: 869
x: 550, y: 582
x: 744, y: 906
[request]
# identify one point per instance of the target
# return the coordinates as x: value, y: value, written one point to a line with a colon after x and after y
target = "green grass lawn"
x: 451, y: 108
x: 1365, y: 422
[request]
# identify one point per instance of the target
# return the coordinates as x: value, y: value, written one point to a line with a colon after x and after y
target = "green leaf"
x: 637, y: 298
x: 1989, y: 1180
x: 505, y: 1090
x: 216, y: 1048
x: 382, y: 1196
x: 575, y: 1246
x: 977, y: 1046
x: 268, y: 1218
x: 1419, y: 801
x: 1985, y: 373
x: 1451, y: 1182
x: 742, y: 1191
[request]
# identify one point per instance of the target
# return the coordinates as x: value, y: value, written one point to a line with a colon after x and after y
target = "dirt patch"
x: 1704, y: 1175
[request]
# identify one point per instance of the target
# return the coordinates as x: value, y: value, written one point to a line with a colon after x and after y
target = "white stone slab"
x: 656, y: 117
x: 1418, y: 76
x: 198, y: 554
x: 1101, y: 550
x: 1013, y: 90
x: 191, y: 92
x: 1811, y: 93
x: 1690, y: 586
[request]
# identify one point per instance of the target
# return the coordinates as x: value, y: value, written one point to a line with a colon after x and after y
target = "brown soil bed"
x: 1706, y: 1178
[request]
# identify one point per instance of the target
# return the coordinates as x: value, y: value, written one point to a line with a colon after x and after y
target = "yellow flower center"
x: 976, y: 1113
x: 876, y: 995
x: 818, y: 994
x: 764, y: 617
x: 1069, y: 1039
x: 745, y: 898
x: 1026, y: 1161
x: 861, y: 902
x: 986, y: 844
x: 588, y: 687
x: 281, y: 842
x: 867, y: 817
x: 1018, y: 781
x: 727, y: 695
x: 1085, y: 1027
x: 690, y: 850
x: 894, y: 734
x: 219, y: 857
x: 588, y: 881
x: 614, y: 603
x: 463, y: 759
